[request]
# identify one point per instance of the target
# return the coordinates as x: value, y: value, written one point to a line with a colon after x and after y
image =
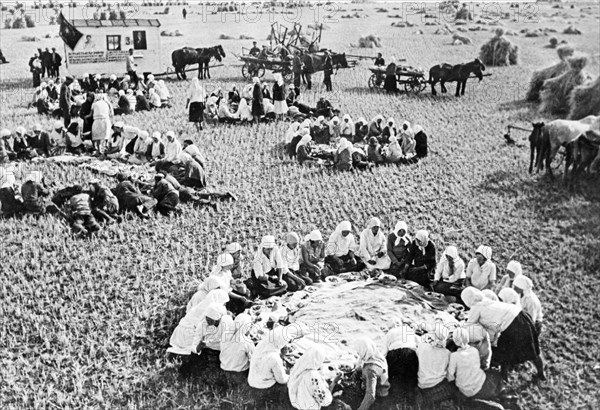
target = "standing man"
x: 297, y: 70
x: 46, y: 63
x: 55, y: 63
x: 184, y: 13
x: 131, y: 68
x: 327, y: 72
x: 65, y: 100
x: 307, y: 69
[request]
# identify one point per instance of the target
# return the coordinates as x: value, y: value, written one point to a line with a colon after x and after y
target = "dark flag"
x: 68, y: 32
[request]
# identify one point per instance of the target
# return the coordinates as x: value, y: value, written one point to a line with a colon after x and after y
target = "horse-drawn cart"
x: 412, y: 78
x: 256, y: 67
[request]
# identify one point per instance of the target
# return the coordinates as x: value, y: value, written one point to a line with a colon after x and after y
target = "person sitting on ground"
x: 204, y: 288
x: 225, y: 115
x: 373, y: 246
x: 420, y: 138
x: 433, y: 368
x: 206, y: 345
x: 408, y: 141
x: 115, y: 145
x: 374, y: 372
x: 335, y: 129
x: 300, y: 134
x: 267, y: 375
x: 398, y: 248
x: 400, y: 352
x: 489, y: 294
x: 40, y: 141
x: 156, y: 148
x: 125, y: 83
x: 320, y: 131
x: 42, y: 100
x: 21, y: 146
x: 308, y: 388
x: 34, y: 194
x: 238, y: 301
x: 105, y: 205
x: 237, y: 348
x: 73, y: 138
x: 421, y: 259
x: 166, y: 195
x: 267, y: 272
x: 244, y: 112
x: 511, y: 331
x: 513, y: 269
x: 6, y: 152
x: 140, y: 148
x: 394, y: 154
x: 82, y: 220
x: 449, y: 274
x: 375, y: 151
x: 361, y: 130
x: 131, y: 199
x: 123, y: 105
x: 530, y: 303
x: 163, y: 92
x: 290, y: 255
x: 347, y: 128
x: 172, y: 148
x: 154, y: 99
x: 481, y: 271
x: 343, y: 155
x: 324, y: 108
x: 193, y: 173
x: 376, y: 126
x: 303, y: 149
x: 234, y: 95
x: 113, y: 83
x: 465, y: 370
x: 340, y: 250
x: 312, y: 260
x: 58, y: 139
x: 388, y: 131
x: 142, y: 103
x: 509, y: 295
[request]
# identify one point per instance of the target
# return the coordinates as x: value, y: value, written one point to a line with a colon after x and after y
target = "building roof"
x: 117, y: 23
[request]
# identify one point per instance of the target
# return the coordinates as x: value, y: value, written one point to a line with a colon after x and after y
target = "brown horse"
x: 207, y: 54
x: 446, y: 73
x: 319, y: 58
x: 536, y: 146
x: 201, y: 56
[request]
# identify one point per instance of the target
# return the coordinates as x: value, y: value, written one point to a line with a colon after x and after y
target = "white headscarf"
x: 278, y: 79
x: 485, y: 251
x: 524, y: 283
x: 509, y: 295
x: 315, y: 235
x: 300, y: 385
x: 406, y: 239
x: 515, y: 267
x: 489, y: 294
x: 408, y: 131
x: 451, y: 251
x: 369, y: 354
x: 291, y: 131
x: 215, y: 311
x: 306, y: 138
x: 471, y: 296
x: 417, y: 129
x: 422, y: 236
x: 237, y: 329
x: 344, y: 145
x: 223, y: 260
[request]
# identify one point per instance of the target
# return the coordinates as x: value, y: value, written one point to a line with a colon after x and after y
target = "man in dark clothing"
x: 297, y: 69
x: 82, y: 220
x: 379, y: 61
x: 324, y: 108
x: 3, y: 60
x: 40, y: 141
x: 184, y: 13
x: 65, y: 100
x: 166, y: 195
x: 55, y: 63
x: 327, y: 72
x: 307, y: 70
x: 254, y: 51
x: 46, y: 63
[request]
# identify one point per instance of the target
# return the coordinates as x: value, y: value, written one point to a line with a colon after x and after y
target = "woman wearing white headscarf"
x: 388, y: 131
x: 258, y: 109
x: 509, y: 295
x: 481, y: 271
x: 398, y: 244
x: 267, y: 273
x: 513, y: 269
x: 140, y: 148
x: 408, y: 140
x: 290, y: 255
x: 303, y: 149
x: 244, y: 111
x: 267, y: 374
x: 450, y: 273
x: 433, y: 368
x: 222, y: 271
x: 421, y: 259
x: 208, y: 285
x: 307, y: 388
x: 335, y: 129
x: 154, y: 98
x: 102, y: 113
x: 292, y: 131
x: 237, y: 346
x: 376, y: 126
x: 361, y: 130
x: 400, y: 351
x: 530, y: 303
x: 163, y: 91
x: 347, y: 128
x: 195, y: 102
x: 373, y: 246
x: 512, y: 332
x: 312, y: 259
x: 420, y: 141
x: 374, y: 372
x: 339, y: 252
x: 394, y: 151
x: 465, y: 370
x: 343, y: 155
x: 279, y: 102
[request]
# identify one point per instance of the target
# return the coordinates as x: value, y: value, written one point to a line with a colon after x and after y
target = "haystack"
x: 463, y: 14
x: 585, y: 100
x: 461, y: 39
x: 370, y: 41
x: 556, y: 92
x: 499, y: 51
x: 539, y: 76
x: 571, y: 30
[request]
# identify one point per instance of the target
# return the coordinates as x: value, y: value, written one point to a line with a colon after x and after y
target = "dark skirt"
x: 343, y: 264
x: 518, y: 343
x: 196, y: 111
x: 403, y: 365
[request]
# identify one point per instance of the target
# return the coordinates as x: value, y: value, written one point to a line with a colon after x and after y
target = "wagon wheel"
x: 376, y: 81
x: 250, y: 70
x: 413, y: 85
x: 246, y: 70
x: 423, y: 83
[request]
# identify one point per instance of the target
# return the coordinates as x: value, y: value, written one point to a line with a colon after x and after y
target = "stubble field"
x: 85, y: 323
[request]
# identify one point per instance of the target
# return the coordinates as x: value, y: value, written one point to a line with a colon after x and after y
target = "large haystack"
x: 499, y: 51
x: 370, y: 41
x: 556, y: 92
x: 539, y: 76
x: 585, y: 100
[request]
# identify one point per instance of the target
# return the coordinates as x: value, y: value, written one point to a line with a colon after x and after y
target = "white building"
x: 105, y: 45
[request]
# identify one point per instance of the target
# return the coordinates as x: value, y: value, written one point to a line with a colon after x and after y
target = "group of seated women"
x: 358, y: 144
x: 501, y: 330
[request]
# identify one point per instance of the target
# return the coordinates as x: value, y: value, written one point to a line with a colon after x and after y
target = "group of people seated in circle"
x: 359, y: 144
x: 459, y: 361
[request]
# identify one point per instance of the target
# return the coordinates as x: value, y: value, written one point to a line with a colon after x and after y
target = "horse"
x: 337, y: 60
x: 447, y: 73
x: 206, y: 54
x: 201, y: 56
x: 582, y: 152
x: 535, y: 145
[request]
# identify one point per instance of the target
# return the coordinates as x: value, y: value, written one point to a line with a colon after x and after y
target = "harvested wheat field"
x: 86, y: 321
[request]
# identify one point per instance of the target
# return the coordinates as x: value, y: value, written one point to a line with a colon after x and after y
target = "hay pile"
x: 459, y: 40
x: 499, y: 51
x: 556, y: 92
x: 463, y: 14
x: 539, y: 76
x: 370, y: 41
x: 571, y: 30
x: 168, y: 33
x: 585, y: 100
